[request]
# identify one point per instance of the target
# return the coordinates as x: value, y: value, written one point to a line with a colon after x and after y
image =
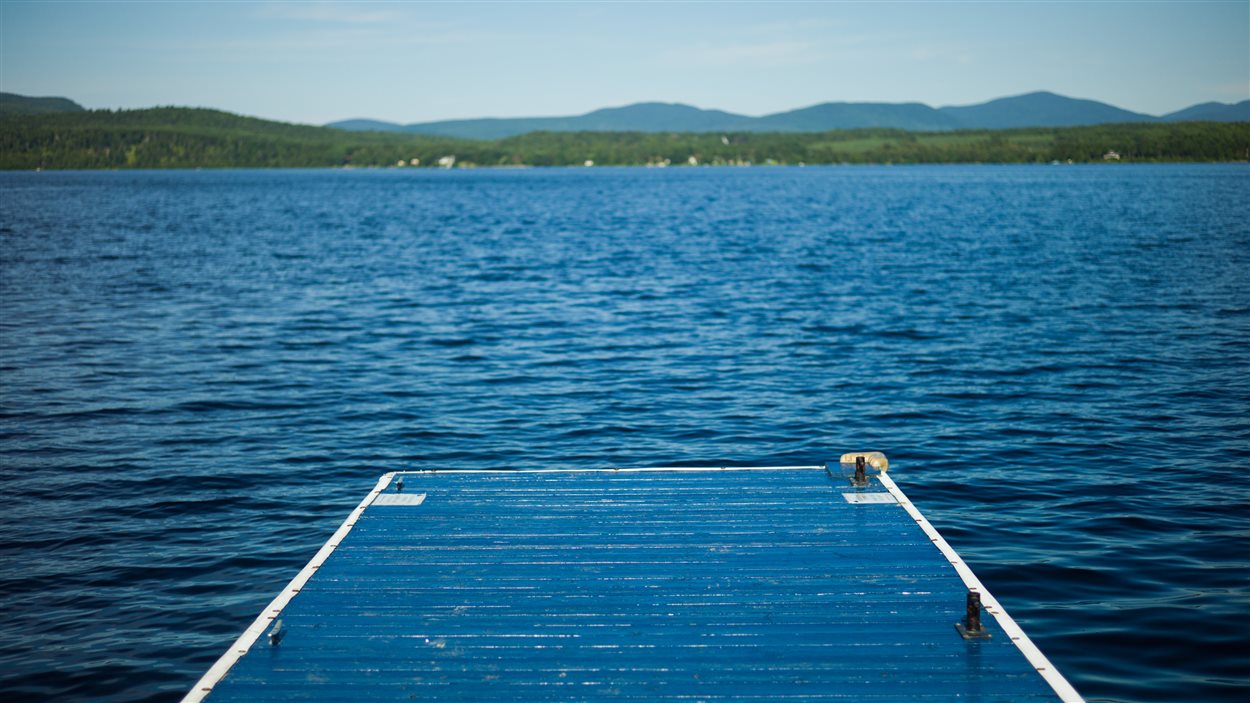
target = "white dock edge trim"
x: 1034, y: 655
x: 623, y: 470
x: 262, y: 622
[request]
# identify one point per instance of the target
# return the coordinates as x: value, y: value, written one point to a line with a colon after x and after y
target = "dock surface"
x: 765, y: 584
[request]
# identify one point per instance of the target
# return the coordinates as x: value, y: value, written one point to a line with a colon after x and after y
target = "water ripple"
x: 203, y: 372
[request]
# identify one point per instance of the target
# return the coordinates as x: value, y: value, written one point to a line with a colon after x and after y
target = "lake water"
x: 201, y: 373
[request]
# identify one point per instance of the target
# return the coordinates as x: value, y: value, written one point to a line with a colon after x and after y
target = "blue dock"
x: 681, y: 584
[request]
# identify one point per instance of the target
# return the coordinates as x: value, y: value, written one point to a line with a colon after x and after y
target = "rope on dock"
x: 876, y: 460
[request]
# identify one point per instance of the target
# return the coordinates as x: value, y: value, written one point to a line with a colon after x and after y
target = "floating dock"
x: 793, y: 583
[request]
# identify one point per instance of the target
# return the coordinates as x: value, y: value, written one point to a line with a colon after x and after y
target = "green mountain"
x: 658, y: 117
x: 173, y: 137
x: 1040, y: 109
x: 916, y: 117
x: 640, y: 117
x: 13, y: 104
x: 1212, y: 112
x: 366, y: 125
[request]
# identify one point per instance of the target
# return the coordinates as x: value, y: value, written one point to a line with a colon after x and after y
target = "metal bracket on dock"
x: 971, y: 628
x: 860, y: 479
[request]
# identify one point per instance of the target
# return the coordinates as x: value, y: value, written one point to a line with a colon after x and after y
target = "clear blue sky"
x: 315, y: 62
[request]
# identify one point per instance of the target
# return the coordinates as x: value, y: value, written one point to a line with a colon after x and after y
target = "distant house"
x: 1111, y: 156
x: 589, y: 163
x: 447, y: 161
x: 692, y: 161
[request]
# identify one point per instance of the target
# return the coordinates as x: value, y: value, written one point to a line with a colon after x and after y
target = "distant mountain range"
x: 1040, y: 109
x: 182, y: 137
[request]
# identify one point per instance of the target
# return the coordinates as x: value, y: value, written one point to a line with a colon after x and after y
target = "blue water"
x: 201, y: 373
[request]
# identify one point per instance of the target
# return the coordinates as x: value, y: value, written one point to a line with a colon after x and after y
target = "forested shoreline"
x: 202, y: 138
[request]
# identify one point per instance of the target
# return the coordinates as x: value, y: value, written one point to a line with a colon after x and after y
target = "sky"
x: 317, y: 62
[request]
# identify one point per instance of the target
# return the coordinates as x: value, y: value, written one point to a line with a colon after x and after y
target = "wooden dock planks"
x: 679, y: 585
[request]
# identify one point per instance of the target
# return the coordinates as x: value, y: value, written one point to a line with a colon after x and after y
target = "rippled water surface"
x: 201, y: 373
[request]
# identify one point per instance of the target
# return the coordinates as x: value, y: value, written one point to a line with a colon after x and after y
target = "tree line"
x: 200, y: 138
